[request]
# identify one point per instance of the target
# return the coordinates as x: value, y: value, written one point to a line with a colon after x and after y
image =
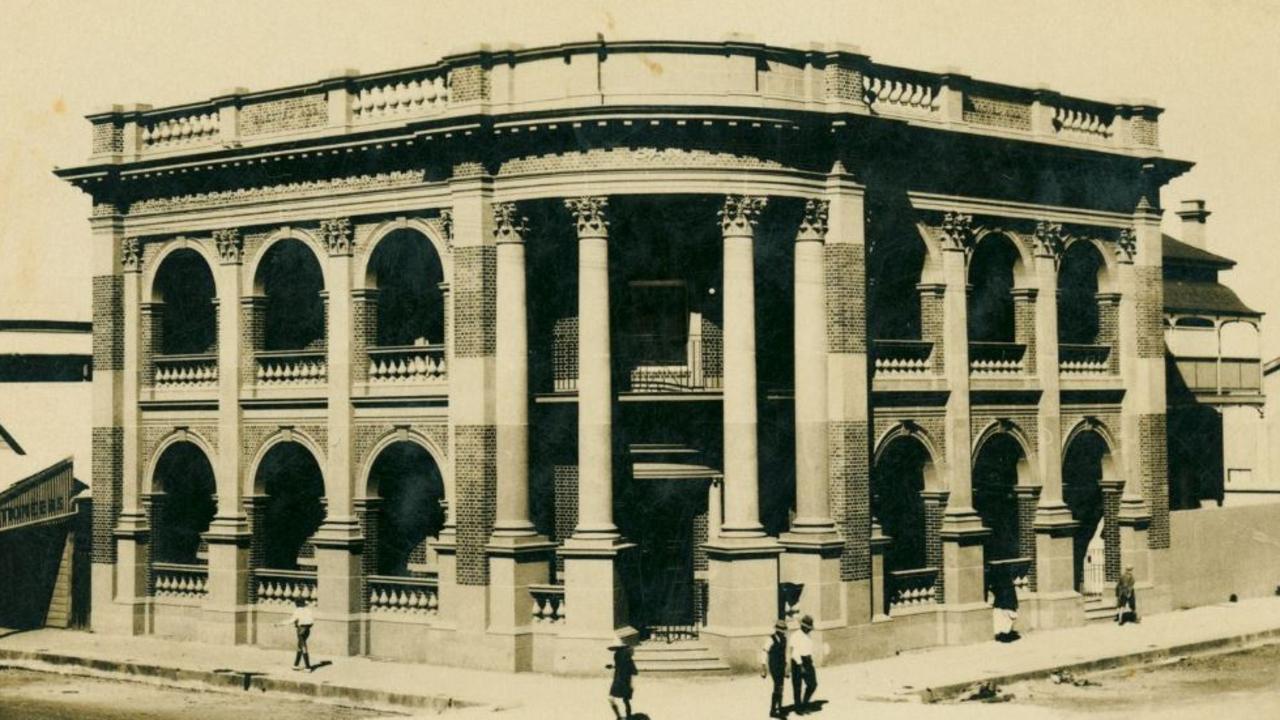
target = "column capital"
x: 509, y: 226
x: 230, y: 245
x: 1022, y: 294
x: 813, y: 224
x: 740, y: 213
x: 446, y: 225
x: 590, y: 215
x: 1126, y: 245
x: 1049, y: 240
x: 131, y: 255
x: 336, y: 234
x: 957, y: 232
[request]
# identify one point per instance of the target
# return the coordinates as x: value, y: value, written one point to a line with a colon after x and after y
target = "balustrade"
x: 996, y: 358
x: 181, y: 581
x: 405, y: 595
x: 1017, y: 570
x: 1083, y: 359
x: 283, y: 587
x: 1079, y: 119
x: 403, y: 95
x: 181, y: 130
x: 548, y: 604
x: 911, y: 588
x: 891, y: 90
x: 407, y: 364
x: 186, y: 371
x: 291, y: 367
x: 902, y: 357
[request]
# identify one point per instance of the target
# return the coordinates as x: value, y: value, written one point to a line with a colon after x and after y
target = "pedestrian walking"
x: 624, y: 667
x: 1126, y: 598
x: 301, y: 620
x: 802, y: 670
x: 773, y: 665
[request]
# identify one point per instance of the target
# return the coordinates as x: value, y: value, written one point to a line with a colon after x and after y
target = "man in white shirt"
x: 301, y: 620
x: 802, y: 671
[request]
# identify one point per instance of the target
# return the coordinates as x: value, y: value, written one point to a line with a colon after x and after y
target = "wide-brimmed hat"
x: 780, y: 625
x: 806, y: 622
x: 617, y: 643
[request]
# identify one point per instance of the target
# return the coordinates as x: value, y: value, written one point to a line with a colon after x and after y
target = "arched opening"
x: 186, y: 505
x: 411, y: 487
x: 991, y: 275
x: 1082, y: 492
x: 897, y: 482
x: 995, y: 476
x: 407, y: 272
x: 1078, y: 316
x: 294, y: 486
x: 188, y: 321
x: 894, y: 271
x: 292, y: 281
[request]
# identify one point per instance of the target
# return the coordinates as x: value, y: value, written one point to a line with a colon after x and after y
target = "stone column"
x: 743, y: 561
x: 518, y: 555
x: 338, y: 541
x: 224, y: 618
x: 1058, y: 601
x: 132, y: 531
x: 967, y: 616
x: 593, y: 587
x: 813, y: 548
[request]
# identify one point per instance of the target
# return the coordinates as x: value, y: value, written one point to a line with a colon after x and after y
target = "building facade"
x: 495, y: 357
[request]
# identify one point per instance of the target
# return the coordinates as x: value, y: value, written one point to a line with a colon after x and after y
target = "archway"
x: 894, y: 272
x: 185, y: 504
x: 290, y: 278
x: 1082, y: 471
x: 411, y: 487
x: 407, y: 273
x: 995, y: 476
x: 898, y: 480
x: 1078, y: 285
x: 184, y: 292
x: 991, y: 275
x: 290, y: 478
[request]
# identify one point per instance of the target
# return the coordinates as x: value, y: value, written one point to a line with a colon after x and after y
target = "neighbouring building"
x: 1217, y: 430
x: 497, y: 356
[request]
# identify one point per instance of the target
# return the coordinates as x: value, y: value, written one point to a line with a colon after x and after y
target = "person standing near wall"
x: 624, y: 667
x: 802, y: 669
x: 1126, y: 598
x: 773, y: 665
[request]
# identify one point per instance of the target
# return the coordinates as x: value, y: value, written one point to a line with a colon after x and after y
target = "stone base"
x: 224, y: 626
x: 577, y: 655
x: 813, y: 561
x: 595, y: 599
x: 515, y: 563
x: 966, y: 624
x: 742, y: 578
x: 1053, y: 610
x: 1055, y: 559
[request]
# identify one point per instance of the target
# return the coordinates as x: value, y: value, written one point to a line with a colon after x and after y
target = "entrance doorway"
x: 664, y: 590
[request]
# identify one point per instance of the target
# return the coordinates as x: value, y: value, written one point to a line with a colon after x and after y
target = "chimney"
x: 1193, y: 216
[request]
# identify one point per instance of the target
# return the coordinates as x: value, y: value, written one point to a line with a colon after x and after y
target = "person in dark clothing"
x: 1126, y: 598
x: 1005, y: 607
x: 623, y: 667
x: 773, y: 665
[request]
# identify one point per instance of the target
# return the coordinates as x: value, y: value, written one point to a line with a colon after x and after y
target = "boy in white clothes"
x: 301, y: 620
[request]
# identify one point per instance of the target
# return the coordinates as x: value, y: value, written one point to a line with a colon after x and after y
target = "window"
x: 658, y: 322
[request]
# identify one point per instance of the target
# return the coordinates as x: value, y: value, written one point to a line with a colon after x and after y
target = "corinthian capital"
x: 337, y: 235
x: 1126, y: 245
x: 590, y: 215
x: 813, y: 225
x: 740, y: 213
x: 230, y: 245
x: 1050, y: 239
x: 508, y: 224
x: 957, y: 231
x: 131, y: 255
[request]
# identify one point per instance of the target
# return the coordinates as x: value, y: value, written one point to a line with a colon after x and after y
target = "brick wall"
x: 475, y: 302
x: 565, y: 478
x: 931, y: 326
x: 712, y: 349
x: 108, y: 137
x: 1028, y: 499
x: 1024, y: 328
x: 935, y: 506
x: 1111, y: 532
x: 996, y: 113
x: 108, y: 322
x: 1150, y: 311
x: 851, y: 496
x: 295, y: 113
x: 475, y: 474
x: 108, y: 476
x: 846, y: 298
x: 1109, y: 332
x: 842, y: 83
x: 364, y: 322
x: 1154, y: 468
x: 468, y: 84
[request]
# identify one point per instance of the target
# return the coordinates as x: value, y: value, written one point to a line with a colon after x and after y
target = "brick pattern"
x: 1024, y: 328
x: 1145, y: 132
x: 108, y: 487
x: 629, y: 157
x: 475, y: 479
x: 475, y: 301
x: 842, y: 83
x: 846, y: 298
x: 935, y: 506
x: 932, y: 422
x: 565, y: 480
x: 850, y: 494
x: 1111, y: 533
x: 1154, y: 467
x: 366, y: 435
x: 150, y: 437
x: 1150, y: 311
x: 564, y: 350
x: 149, y: 546
x: 1109, y: 333
x: 1024, y: 419
x: 364, y: 321
x: 997, y: 113
x: 108, y: 322
x: 295, y: 113
x: 150, y: 336
x: 1072, y: 415
x: 108, y: 137
x: 701, y: 534
x: 252, y: 328
x: 932, y: 327
x: 369, y: 519
x: 712, y: 349
x: 469, y: 84
x: 255, y: 511
x: 1028, y: 499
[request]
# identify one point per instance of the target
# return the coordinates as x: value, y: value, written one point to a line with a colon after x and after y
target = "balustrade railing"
x: 996, y: 358
x: 1017, y: 570
x: 548, y: 604
x: 407, y: 364
x: 292, y: 367
x: 892, y: 90
x: 179, y: 580
x: 404, y: 595
x: 902, y: 357
x: 1083, y: 359
x: 185, y: 129
x: 186, y: 371
x: 911, y: 588
x: 1081, y: 118
x: 409, y: 94
x: 283, y: 587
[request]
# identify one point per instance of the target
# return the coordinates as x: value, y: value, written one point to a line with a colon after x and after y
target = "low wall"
x: 1218, y: 551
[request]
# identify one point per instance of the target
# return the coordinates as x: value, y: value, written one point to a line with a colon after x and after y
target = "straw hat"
x: 780, y: 625
x: 806, y: 623
x: 616, y: 643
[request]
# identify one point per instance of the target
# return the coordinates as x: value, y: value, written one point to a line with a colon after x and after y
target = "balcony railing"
x: 1083, y: 359
x: 292, y: 367
x: 186, y: 371
x: 1016, y: 569
x: 181, y: 581
x: 283, y: 587
x: 911, y: 588
x: 548, y: 604
x: 407, y: 364
x: 898, y: 358
x: 997, y: 358
x: 404, y: 595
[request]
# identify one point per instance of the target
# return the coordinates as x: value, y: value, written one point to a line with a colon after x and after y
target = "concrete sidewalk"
x: 932, y: 674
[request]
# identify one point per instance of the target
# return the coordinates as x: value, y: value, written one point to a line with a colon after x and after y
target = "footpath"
x: 897, y: 686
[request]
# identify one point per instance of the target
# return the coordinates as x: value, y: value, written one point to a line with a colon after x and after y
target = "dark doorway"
x: 664, y: 591
x: 1082, y: 492
x: 995, y: 475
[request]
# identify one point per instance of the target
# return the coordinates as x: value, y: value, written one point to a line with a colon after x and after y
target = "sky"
x: 1213, y: 66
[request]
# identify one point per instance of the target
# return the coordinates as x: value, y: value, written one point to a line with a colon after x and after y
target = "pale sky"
x: 1213, y: 66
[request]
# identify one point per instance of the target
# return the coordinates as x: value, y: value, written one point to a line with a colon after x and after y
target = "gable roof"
x: 1176, y: 252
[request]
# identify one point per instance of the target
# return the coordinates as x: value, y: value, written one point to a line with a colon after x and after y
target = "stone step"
x: 1100, y: 612
x: 679, y: 658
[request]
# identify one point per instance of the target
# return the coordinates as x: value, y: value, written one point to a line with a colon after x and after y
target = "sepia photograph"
x: 641, y: 360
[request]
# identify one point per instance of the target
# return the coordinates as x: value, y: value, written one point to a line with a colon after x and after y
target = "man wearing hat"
x: 802, y: 665
x: 1126, y: 600
x: 773, y: 665
x: 623, y: 668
